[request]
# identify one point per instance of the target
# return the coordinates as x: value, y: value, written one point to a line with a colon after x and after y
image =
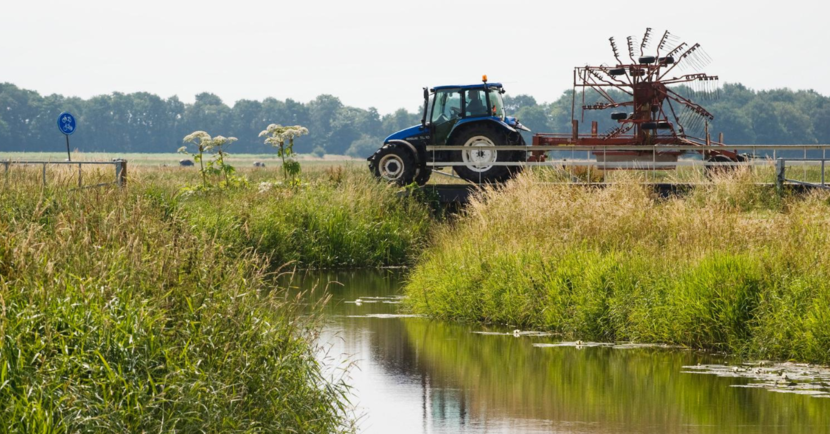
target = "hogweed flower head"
x: 279, y: 134
x: 197, y: 135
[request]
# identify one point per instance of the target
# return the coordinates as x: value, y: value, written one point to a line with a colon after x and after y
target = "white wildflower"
x: 200, y: 135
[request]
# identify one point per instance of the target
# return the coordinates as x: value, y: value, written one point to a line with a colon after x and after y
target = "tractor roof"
x: 468, y: 86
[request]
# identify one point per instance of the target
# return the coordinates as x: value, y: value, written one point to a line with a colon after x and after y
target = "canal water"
x: 414, y: 375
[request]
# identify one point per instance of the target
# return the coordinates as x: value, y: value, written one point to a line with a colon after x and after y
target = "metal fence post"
x: 779, y: 178
x: 44, y: 175
x: 7, y: 162
x: 80, y: 180
x: 653, y: 172
x: 822, y: 172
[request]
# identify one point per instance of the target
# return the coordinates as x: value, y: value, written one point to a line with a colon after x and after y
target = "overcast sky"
x: 379, y: 53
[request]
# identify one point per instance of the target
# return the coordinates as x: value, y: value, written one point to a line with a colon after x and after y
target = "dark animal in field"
x: 186, y: 163
x: 259, y: 164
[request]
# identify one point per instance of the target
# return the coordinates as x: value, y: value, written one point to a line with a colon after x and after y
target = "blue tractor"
x: 469, y: 117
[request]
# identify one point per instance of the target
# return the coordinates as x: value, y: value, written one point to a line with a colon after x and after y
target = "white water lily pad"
x: 516, y: 333
x: 577, y: 344
x: 634, y: 346
x: 394, y: 298
x: 796, y: 378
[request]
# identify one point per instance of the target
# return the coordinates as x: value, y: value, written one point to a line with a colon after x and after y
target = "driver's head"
x: 473, y: 96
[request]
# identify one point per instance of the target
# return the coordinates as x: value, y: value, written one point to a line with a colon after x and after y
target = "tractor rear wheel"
x: 393, y: 163
x: 480, y: 165
x: 721, y: 169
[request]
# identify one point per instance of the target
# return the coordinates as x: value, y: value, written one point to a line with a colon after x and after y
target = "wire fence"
x: 71, y: 174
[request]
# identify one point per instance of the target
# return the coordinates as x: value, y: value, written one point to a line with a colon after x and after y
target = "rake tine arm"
x: 645, y: 40
x: 682, y: 57
x: 597, y: 86
x: 677, y: 61
x: 694, y: 106
x: 662, y: 43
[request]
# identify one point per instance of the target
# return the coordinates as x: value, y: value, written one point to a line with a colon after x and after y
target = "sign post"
x: 67, y: 125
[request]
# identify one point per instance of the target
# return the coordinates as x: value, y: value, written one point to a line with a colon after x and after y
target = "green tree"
x: 322, y: 112
x: 513, y: 104
x: 143, y: 122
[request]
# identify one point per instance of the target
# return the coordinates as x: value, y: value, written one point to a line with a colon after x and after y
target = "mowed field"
x: 172, y: 158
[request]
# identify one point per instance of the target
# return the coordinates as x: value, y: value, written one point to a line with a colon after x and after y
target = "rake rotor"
x: 650, y: 92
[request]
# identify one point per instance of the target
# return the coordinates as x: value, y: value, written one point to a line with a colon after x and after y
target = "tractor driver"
x: 475, y: 106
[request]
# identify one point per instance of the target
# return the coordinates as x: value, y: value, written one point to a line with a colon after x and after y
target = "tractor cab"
x: 449, y: 105
x: 469, y: 116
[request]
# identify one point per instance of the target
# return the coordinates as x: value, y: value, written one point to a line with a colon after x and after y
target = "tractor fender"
x: 417, y: 155
x: 467, y: 122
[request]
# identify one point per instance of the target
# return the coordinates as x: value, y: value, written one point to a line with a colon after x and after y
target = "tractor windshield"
x: 496, y: 104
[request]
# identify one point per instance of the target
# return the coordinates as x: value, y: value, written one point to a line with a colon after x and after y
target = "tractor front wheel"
x: 393, y: 163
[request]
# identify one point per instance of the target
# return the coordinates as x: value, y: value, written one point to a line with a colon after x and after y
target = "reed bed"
x: 341, y: 218
x: 119, y: 314
x: 731, y: 266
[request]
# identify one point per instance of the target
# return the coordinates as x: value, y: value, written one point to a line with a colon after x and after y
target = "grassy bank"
x: 729, y: 267
x: 120, y: 314
x: 341, y: 217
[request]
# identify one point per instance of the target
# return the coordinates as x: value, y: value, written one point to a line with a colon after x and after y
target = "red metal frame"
x: 654, y: 120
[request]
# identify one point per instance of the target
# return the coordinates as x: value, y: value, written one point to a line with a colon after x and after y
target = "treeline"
x: 143, y: 122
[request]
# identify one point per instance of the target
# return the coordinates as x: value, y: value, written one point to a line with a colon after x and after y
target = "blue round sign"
x: 66, y: 123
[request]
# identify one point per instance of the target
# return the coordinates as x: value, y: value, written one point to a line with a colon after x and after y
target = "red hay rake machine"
x: 645, y: 100
x: 649, y: 93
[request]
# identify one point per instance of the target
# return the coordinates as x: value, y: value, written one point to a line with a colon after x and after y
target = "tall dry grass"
x: 341, y: 217
x: 118, y: 314
x: 730, y: 266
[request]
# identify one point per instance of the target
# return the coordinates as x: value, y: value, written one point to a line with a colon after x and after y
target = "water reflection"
x: 422, y: 376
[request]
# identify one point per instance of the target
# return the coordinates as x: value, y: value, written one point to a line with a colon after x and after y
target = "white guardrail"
x: 779, y: 156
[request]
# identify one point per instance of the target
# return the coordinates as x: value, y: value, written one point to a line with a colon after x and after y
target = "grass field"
x: 153, y: 308
x: 120, y: 313
x: 172, y: 158
x: 342, y: 217
x: 731, y: 266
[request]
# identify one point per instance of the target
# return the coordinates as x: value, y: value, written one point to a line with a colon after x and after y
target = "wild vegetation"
x: 731, y: 266
x: 154, y: 308
x: 122, y: 314
x: 337, y: 218
x: 143, y: 122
